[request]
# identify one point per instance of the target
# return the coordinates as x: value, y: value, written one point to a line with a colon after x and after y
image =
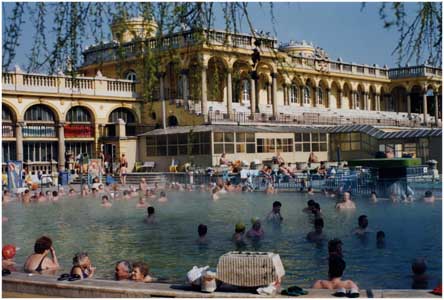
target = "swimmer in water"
x: 41, y: 197
x: 256, y: 231
x: 362, y: 228
x: 72, y: 192
x: 126, y: 195
x: 346, y: 202
x: 6, y: 197
x: 373, y: 197
x: 429, y: 197
x: 274, y: 216
x: 163, y: 197
x: 239, y: 232
x: 202, y: 232
x: 55, y: 196
x: 317, y: 211
x: 150, y: 218
x: 141, y: 203
x: 380, y: 239
x: 105, y: 202
x: 310, y: 206
x: 85, y: 191
x: 317, y: 235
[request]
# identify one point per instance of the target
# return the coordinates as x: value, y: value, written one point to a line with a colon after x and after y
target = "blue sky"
x: 342, y: 29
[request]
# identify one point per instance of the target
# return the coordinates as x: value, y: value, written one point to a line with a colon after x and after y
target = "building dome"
x: 126, y: 30
x: 298, y: 48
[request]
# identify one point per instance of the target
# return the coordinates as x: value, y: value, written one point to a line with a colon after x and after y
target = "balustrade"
x: 39, y: 131
x: 8, y: 130
x: 39, y: 80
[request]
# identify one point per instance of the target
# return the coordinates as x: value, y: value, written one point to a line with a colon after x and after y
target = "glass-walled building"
x: 204, y: 145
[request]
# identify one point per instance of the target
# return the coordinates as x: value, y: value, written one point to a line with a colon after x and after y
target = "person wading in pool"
x: 39, y: 262
x: 346, y: 203
x: 274, y: 216
x: 317, y: 235
x: 362, y: 228
x: 123, y: 270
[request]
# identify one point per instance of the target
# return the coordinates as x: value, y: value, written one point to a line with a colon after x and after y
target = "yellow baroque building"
x: 211, y: 99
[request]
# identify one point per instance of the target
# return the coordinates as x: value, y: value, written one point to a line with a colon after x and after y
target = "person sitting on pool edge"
x: 317, y: 235
x: 202, y: 232
x: 150, y: 218
x: 274, y: 216
x: 123, y: 270
x: 82, y: 266
x: 346, y: 202
x: 362, y: 226
x: 38, y: 261
x: 336, y: 267
x: 140, y: 273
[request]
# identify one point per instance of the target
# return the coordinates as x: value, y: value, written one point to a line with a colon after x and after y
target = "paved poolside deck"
x: 21, y: 285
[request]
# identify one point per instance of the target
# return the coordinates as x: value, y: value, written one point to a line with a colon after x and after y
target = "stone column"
x: 61, y: 158
x: 269, y: 99
x: 185, y: 87
x: 377, y: 102
x: 327, y: 91
x: 301, y: 93
x: 274, y: 94
x: 19, y: 140
x: 204, y: 101
x: 316, y: 95
x: 366, y: 104
x: 409, y: 106
x: 229, y: 95
x: 339, y: 99
x: 435, y: 96
x: 252, y: 96
x: 161, y: 76
x: 286, y: 100
x: 354, y: 99
x: 424, y: 101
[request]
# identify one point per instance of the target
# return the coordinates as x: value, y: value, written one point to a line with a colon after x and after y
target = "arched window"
x: 306, y: 95
x: 320, y: 96
x: 78, y: 114
x: 294, y: 91
x: 131, y: 75
x: 6, y: 114
x: 245, y: 90
x: 122, y: 113
x: 39, y: 113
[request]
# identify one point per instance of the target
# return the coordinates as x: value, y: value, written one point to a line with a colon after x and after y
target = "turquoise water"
x: 169, y: 246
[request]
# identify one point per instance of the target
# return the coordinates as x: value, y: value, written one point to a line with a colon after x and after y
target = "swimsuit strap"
x: 39, y: 267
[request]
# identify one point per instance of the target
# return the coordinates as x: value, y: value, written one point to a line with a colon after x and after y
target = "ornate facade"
x: 209, y: 81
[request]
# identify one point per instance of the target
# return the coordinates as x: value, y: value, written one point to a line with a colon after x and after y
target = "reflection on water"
x: 170, y: 247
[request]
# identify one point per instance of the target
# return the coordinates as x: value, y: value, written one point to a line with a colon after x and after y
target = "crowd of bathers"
x: 82, y: 267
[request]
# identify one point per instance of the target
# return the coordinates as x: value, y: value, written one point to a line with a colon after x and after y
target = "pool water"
x: 170, y: 248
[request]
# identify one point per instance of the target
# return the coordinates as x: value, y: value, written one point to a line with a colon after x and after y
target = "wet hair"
x: 380, y: 235
x: 277, y: 204
x: 317, y: 206
x: 41, y: 244
x: 94, y: 189
x: 310, y: 202
x: 319, y: 223
x: 419, y: 266
x: 335, y: 247
x: 26, y: 191
x: 105, y: 197
x: 373, y: 193
x: 55, y: 194
x: 150, y: 210
x: 125, y: 192
x: 71, y: 190
x: 361, y: 220
x: 428, y: 194
x: 162, y: 194
x: 79, y: 258
x: 310, y: 189
x: 126, y: 264
x: 336, y: 267
x: 143, y: 267
x: 202, y: 229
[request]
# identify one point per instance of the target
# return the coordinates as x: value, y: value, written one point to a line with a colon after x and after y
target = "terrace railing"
x: 308, y: 119
x: 8, y: 130
x: 61, y: 84
x: 416, y: 71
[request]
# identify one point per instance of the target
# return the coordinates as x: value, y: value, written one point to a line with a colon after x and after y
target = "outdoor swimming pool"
x: 108, y: 235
